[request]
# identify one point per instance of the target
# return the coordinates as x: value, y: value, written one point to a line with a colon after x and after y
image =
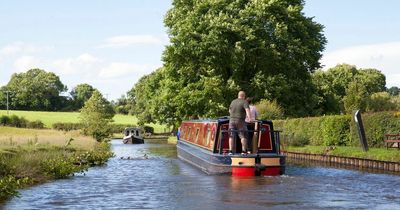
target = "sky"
x: 111, y: 44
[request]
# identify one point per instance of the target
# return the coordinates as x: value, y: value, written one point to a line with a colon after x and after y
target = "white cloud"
x: 127, y: 40
x: 84, y: 64
x: 383, y: 56
x: 117, y: 69
x: 25, y: 63
x: 22, y: 48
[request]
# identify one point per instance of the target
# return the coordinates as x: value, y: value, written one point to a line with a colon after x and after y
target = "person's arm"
x: 248, y: 113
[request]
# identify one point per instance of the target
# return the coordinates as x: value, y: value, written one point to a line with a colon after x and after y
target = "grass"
x: 49, y: 118
x: 11, y: 137
x: 29, y: 156
x: 373, y: 153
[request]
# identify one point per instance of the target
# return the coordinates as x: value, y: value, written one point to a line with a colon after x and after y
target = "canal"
x: 149, y: 176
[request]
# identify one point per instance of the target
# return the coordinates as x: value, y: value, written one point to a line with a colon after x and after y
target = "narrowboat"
x: 205, y: 144
x: 132, y: 136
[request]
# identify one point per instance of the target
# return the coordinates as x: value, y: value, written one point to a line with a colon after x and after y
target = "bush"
x: 340, y: 130
x: 380, y: 102
x: 67, y: 126
x: 37, y: 124
x: 148, y: 129
x: 336, y: 130
x: 20, y: 122
x: 296, y: 140
x: 269, y: 110
x: 5, y: 120
x: 377, y: 125
x: 9, y: 186
x: 15, y: 121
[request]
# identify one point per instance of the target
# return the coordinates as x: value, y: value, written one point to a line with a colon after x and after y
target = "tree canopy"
x: 96, y: 115
x: 266, y: 48
x: 36, y: 89
x: 80, y: 94
x: 344, y: 87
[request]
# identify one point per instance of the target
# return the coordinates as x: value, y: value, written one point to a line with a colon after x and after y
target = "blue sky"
x: 111, y: 44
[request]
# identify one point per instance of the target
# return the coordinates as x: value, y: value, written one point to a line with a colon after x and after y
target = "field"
x: 49, y: 118
x: 13, y: 137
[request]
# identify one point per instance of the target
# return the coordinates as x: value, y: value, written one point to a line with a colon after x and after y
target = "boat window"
x: 197, y: 134
x: 188, y: 134
x: 208, y: 136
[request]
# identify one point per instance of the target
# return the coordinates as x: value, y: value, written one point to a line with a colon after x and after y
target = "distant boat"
x: 132, y: 136
x: 205, y: 144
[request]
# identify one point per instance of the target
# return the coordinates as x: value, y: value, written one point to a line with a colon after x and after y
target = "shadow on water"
x: 153, y: 178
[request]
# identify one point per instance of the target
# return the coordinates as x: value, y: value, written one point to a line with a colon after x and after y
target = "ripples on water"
x: 153, y: 178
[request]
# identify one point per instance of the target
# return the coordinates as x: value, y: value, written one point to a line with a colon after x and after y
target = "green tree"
x: 96, y: 116
x: 380, y: 101
x: 332, y: 85
x: 355, y: 98
x: 267, y: 48
x: 394, y: 91
x: 269, y: 110
x: 36, y: 89
x: 80, y: 94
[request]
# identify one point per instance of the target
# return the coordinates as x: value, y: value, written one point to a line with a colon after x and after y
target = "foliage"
x: 380, y: 101
x: 67, y: 126
x: 336, y: 130
x: 20, y: 122
x: 269, y: 110
x: 355, y: 98
x: 10, y: 184
x: 36, y: 89
x: 394, y: 91
x: 39, y: 163
x: 333, y: 85
x: 340, y: 130
x: 296, y: 140
x: 220, y: 47
x: 356, y: 152
x: 377, y: 125
x: 96, y: 116
x: 80, y: 94
x: 123, y: 105
x: 61, y: 167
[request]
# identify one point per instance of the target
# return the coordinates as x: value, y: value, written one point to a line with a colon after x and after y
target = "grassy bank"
x: 49, y: 118
x: 29, y: 157
x: 346, y: 151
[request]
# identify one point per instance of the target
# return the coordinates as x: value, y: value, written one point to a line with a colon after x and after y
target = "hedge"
x: 339, y: 130
x: 20, y: 122
x: 115, y: 128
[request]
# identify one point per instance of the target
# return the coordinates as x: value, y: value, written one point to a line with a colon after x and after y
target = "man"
x: 238, y: 111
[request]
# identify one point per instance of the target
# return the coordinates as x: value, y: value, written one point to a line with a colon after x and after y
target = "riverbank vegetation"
x: 32, y: 156
x: 70, y: 120
x: 392, y: 155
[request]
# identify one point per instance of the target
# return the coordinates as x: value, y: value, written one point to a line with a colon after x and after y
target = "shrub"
x: 67, y: 126
x: 61, y: 167
x: 9, y: 186
x: 148, y: 129
x: 20, y: 122
x: 341, y: 129
x: 15, y: 121
x: 336, y: 130
x: 296, y: 140
x: 380, y: 101
x: 37, y: 124
x: 269, y: 110
x: 5, y: 120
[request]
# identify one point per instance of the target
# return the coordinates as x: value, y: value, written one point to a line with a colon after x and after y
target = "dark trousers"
x: 250, y: 134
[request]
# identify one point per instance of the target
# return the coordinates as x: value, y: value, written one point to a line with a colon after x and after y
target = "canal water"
x: 149, y: 176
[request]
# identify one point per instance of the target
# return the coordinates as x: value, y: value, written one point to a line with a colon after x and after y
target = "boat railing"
x: 275, y: 135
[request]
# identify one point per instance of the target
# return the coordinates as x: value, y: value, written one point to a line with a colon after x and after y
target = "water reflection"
x: 161, y: 181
